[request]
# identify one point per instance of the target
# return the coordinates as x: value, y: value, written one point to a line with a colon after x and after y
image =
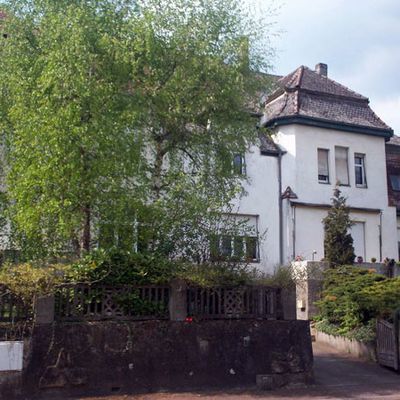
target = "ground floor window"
x: 237, y: 240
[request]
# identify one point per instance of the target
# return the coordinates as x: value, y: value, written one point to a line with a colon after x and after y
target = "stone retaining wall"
x: 116, y: 357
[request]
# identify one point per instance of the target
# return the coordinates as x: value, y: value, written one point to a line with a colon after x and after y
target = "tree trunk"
x: 86, y: 231
x: 158, y: 164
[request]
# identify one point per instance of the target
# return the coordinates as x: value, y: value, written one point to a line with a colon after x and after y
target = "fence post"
x: 178, y: 300
x: 261, y: 311
x: 44, y: 310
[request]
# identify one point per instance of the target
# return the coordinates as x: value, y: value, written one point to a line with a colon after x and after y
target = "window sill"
x: 362, y: 186
x: 324, y: 183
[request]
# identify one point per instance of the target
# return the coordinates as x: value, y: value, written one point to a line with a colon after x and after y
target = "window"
x: 395, y: 182
x: 238, y: 248
x: 359, y: 169
x: 237, y: 239
x: 239, y: 166
x: 342, y: 165
x: 323, y: 166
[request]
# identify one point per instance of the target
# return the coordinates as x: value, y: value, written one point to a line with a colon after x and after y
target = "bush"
x: 29, y: 280
x: 354, y: 297
x: 362, y: 333
x: 382, y: 298
x: 118, y: 267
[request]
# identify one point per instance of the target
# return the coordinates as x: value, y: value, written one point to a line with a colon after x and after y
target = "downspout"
x: 280, y: 208
x: 294, y: 231
x: 380, y: 236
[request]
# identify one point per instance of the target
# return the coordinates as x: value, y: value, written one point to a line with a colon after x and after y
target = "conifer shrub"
x: 338, y: 243
x: 353, y: 298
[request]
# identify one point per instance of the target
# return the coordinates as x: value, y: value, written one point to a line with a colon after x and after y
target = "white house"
x: 322, y: 134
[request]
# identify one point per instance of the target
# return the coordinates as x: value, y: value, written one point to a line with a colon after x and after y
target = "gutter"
x: 322, y: 123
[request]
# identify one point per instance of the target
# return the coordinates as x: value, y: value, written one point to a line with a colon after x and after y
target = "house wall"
x: 300, y: 172
x: 309, y: 233
x: 262, y: 199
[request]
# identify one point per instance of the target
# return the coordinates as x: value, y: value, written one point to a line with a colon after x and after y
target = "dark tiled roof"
x: 267, y: 145
x: 306, y: 94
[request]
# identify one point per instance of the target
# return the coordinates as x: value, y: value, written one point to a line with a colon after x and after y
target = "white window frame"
x: 346, y: 149
x: 322, y: 178
x: 362, y: 167
x: 221, y: 254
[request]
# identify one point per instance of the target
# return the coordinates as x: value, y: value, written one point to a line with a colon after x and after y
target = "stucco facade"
x: 351, y: 126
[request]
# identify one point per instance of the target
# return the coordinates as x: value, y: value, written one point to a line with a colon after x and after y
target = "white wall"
x: 11, y: 356
x: 262, y: 200
x: 310, y: 233
x: 300, y: 172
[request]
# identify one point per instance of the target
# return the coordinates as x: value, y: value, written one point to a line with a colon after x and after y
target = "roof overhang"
x: 322, y: 123
x: 295, y: 203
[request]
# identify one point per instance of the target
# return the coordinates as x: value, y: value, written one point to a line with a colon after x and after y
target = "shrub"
x: 343, y: 303
x: 353, y: 298
x: 338, y: 243
x: 118, y: 267
x: 382, y: 298
x: 29, y: 280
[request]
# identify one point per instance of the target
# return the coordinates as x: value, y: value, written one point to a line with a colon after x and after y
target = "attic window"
x: 395, y: 181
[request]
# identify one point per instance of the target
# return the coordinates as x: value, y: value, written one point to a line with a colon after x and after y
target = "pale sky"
x: 358, y: 39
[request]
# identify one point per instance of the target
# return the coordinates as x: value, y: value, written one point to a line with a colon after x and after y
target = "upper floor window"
x: 323, y: 166
x: 239, y: 165
x: 359, y: 169
x: 395, y: 181
x: 342, y: 165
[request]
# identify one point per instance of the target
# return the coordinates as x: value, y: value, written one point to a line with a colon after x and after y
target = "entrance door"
x: 358, y: 234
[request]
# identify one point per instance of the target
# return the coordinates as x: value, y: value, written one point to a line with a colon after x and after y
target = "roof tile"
x: 306, y: 93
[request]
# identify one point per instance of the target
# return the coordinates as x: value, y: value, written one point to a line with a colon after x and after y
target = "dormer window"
x: 323, y: 166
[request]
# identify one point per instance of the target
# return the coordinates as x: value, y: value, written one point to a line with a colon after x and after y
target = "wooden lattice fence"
x: 234, y: 302
x: 97, y: 302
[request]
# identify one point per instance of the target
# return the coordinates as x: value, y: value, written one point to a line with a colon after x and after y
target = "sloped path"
x: 337, y: 376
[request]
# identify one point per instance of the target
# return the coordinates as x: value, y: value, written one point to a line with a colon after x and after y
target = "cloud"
x: 388, y: 110
x: 360, y: 42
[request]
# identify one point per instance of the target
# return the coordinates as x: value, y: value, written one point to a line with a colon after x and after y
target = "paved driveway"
x: 337, y: 376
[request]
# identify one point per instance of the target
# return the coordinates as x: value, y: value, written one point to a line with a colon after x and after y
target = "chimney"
x: 321, y: 69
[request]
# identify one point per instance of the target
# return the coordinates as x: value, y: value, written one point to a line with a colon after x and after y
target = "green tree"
x: 119, y: 112
x: 338, y: 242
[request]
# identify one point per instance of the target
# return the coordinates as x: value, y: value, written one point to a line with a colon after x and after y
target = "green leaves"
x: 119, y: 111
x: 338, y: 242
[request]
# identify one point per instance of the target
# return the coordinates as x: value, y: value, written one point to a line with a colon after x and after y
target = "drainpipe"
x: 294, y: 231
x: 380, y: 236
x: 280, y: 208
